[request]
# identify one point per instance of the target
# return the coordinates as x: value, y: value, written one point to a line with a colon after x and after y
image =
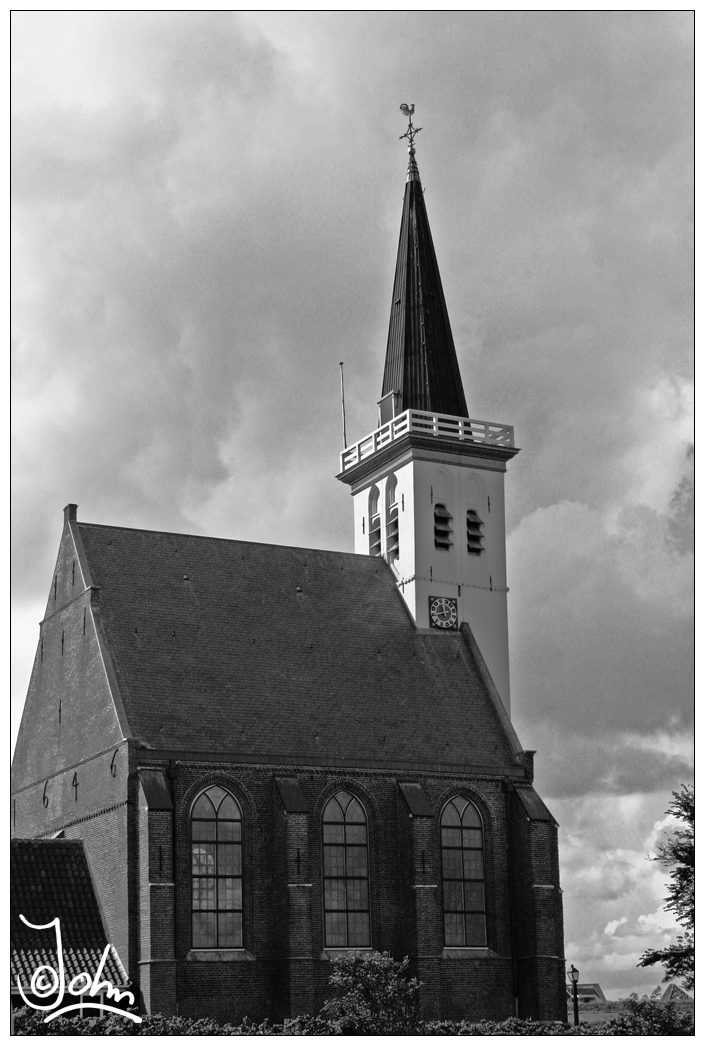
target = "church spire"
x: 421, y: 366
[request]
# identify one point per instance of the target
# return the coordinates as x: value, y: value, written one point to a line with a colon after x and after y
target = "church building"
x: 274, y: 755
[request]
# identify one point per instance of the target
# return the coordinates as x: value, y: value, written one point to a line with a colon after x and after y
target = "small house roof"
x: 674, y: 993
x: 50, y: 878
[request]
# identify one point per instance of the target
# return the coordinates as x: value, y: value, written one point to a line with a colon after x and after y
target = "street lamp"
x: 574, y: 974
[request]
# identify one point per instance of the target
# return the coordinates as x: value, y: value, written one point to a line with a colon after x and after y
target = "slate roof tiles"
x: 421, y: 362
x: 272, y: 651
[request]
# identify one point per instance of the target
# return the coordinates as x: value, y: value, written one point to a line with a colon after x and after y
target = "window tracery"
x: 216, y: 870
x: 345, y: 873
x: 463, y: 875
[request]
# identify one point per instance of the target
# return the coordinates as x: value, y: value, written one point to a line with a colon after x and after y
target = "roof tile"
x: 50, y: 878
x: 288, y: 652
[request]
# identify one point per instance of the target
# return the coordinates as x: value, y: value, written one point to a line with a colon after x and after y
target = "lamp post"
x: 573, y: 974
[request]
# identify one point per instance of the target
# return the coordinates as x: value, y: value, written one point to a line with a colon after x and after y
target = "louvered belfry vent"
x: 375, y: 524
x: 474, y: 533
x: 442, y: 527
x: 392, y: 520
x: 421, y: 363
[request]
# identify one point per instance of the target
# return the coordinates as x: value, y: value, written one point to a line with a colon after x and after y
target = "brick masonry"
x: 83, y: 769
x: 284, y: 968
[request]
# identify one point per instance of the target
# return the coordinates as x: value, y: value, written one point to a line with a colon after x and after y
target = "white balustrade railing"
x: 466, y: 429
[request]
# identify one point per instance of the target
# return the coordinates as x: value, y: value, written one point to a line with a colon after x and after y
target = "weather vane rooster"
x: 411, y: 131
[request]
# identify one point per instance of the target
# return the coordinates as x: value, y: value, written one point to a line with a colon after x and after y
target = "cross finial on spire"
x: 411, y: 131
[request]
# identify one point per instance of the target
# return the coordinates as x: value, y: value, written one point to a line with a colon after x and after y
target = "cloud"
x: 614, y: 894
x: 605, y: 598
x: 206, y: 216
x: 174, y: 314
x: 577, y: 762
x: 613, y: 925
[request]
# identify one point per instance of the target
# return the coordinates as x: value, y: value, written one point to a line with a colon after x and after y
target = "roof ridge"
x: 232, y: 541
x: 21, y: 839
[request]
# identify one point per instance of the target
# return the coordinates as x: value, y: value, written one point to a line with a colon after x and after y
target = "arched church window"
x: 392, y: 519
x: 463, y: 875
x: 475, y: 535
x: 375, y: 526
x: 345, y: 873
x: 442, y: 527
x: 216, y: 870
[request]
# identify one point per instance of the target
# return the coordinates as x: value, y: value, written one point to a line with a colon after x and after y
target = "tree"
x: 678, y: 853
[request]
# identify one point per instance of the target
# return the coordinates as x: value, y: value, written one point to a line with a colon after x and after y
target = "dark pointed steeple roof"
x: 421, y: 363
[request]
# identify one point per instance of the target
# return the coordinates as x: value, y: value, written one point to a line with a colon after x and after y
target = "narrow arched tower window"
x: 392, y: 519
x: 345, y: 873
x: 463, y: 875
x: 216, y: 870
x: 475, y: 536
x: 375, y: 529
x: 442, y: 527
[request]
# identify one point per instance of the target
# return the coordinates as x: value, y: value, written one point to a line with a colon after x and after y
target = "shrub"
x: 644, y: 1017
x: 306, y: 1025
x: 31, y: 1022
x: 379, y: 998
x: 509, y: 1026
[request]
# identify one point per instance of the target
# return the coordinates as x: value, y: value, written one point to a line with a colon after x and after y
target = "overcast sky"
x: 207, y: 209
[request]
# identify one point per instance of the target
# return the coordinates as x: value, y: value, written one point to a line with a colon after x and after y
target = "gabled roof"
x: 587, y: 992
x: 592, y: 988
x: 674, y: 993
x: 50, y: 878
x: 265, y: 651
x: 421, y: 362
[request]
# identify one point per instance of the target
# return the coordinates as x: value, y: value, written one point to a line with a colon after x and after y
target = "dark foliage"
x: 510, y: 1026
x: 376, y: 998
x: 644, y: 1017
x: 31, y: 1022
x: 678, y: 853
x: 379, y: 998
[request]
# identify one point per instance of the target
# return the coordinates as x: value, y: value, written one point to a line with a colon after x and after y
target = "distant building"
x: 588, y: 992
x: 674, y: 993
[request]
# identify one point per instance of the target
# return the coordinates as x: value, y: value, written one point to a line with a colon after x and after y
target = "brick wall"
x: 155, y: 863
x: 538, y: 916
x: 98, y: 811
x: 74, y: 771
x: 284, y: 967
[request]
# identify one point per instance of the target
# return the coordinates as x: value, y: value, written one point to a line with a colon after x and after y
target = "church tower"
x: 259, y: 794
x: 428, y: 483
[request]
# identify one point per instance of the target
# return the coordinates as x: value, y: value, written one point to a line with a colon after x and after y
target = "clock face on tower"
x: 443, y: 612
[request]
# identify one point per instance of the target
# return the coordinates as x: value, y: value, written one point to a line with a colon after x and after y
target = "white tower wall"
x: 477, y: 582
